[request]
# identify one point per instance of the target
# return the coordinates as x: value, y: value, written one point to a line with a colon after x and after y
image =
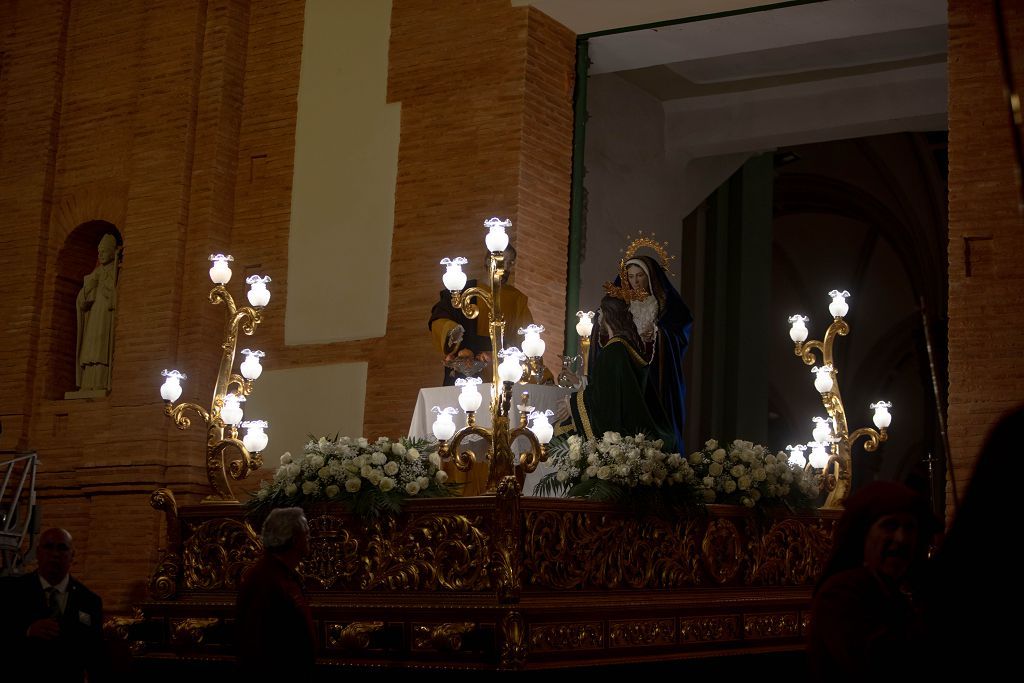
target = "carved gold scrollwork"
x: 780, y: 625
x: 512, y: 636
x: 567, y: 637
x: 722, y: 550
x: 567, y: 550
x: 352, y: 636
x: 791, y: 552
x: 708, y: 629
x: 119, y: 628
x: 217, y: 553
x: 186, y: 633
x: 163, y: 584
x: 505, y: 565
x: 643, y: 632
x: 333, y: 553
x: 441, y: 637
x: 432, y: 550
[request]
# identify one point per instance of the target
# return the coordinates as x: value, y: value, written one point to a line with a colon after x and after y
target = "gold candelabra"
x: 500, y: 436
x: 833, y: 442
x: 225, y: 414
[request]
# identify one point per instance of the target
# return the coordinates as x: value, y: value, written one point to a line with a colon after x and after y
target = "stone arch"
x: 75, y: 259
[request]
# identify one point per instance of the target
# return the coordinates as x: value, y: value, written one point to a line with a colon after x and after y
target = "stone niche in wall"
x: 76, y: 259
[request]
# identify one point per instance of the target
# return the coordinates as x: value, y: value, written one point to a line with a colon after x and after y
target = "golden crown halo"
x: 623, y: 290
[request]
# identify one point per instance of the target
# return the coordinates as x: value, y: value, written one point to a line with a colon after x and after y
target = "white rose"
x: 718, y: 455
x: 366, y: 470
x: 362, y: 443
x: 310, y: 487
x: 291, y: 490
x: 391, y: 469
x: 387, y: 483
x: 424, y: 482
x: 398, y: 449
x: 324, y: 473
x: 759, y: 474
x: 286, y: 458
x: 376, y: 476
x: 756, y: 495
x: 748, y: 502
x: 737, y: 471
x: 696, y: 458
x: 333, y: 490
x: 412, y: 455
x: 715, y: 469
x: 645, y: 478
x: 604, y: 472
x: 709, y: 495
x: 262, y: 493
x: 316, y: 462
x: 709, y: 482
x: 729, y: 486
x: 352, y: 484
x: 744, y: 482
x: 435, y: 459
x: 592, y: 471
x: 441, y: 477
x: 623, y: 470
x: 378, y: 458
x: 561, y: 475
x: 322, y: 442
x: 412, y: 488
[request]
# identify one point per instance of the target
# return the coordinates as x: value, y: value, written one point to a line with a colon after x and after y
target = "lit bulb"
x: 796, y: 455
x: 255, y: 439
x: 838, y: 308
x: 798, y: 331
x: 882, y: 418
x: 443, y: 426
x: 250, y: 367
x: 231, y: 413
x: 454, y: 279
x: 258, y: 295
x: 586, y: 324
x: 470, y: 397
x: 220, y: 272
x: 823, y: 378
x: 822, y: 432
x: 541, y: 426
x: 819, y: 455
x: 533, y: 345
x: 510, y: 369
x: 496, y: 239
x: 170, y: 390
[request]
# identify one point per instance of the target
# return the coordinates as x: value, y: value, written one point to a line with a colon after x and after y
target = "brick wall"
x: 174, y: 122
x: 986, y: 230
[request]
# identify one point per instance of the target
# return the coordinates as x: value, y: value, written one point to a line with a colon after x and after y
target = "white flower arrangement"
x: 371, y: 478
x: 634, y: 469
x: 616, y: 467
x: 748, y: 474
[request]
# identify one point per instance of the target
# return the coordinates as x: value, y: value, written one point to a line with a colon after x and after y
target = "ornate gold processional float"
x: 499, y: 581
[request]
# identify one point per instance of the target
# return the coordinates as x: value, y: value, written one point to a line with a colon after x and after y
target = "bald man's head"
x: 54, y: 554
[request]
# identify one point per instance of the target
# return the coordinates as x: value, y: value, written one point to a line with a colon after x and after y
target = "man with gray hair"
x: 275, y: 625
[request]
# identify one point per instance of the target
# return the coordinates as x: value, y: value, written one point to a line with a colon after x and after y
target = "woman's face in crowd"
x: 891, y: 543
x: 638, y: 278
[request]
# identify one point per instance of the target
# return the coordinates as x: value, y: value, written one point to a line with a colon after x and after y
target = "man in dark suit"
x: 50, y: 620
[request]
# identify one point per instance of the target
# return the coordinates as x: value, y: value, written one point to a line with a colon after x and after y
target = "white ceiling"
x: 762, y: 79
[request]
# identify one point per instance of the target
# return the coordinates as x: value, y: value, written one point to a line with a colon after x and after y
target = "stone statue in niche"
x: 96, y: 305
